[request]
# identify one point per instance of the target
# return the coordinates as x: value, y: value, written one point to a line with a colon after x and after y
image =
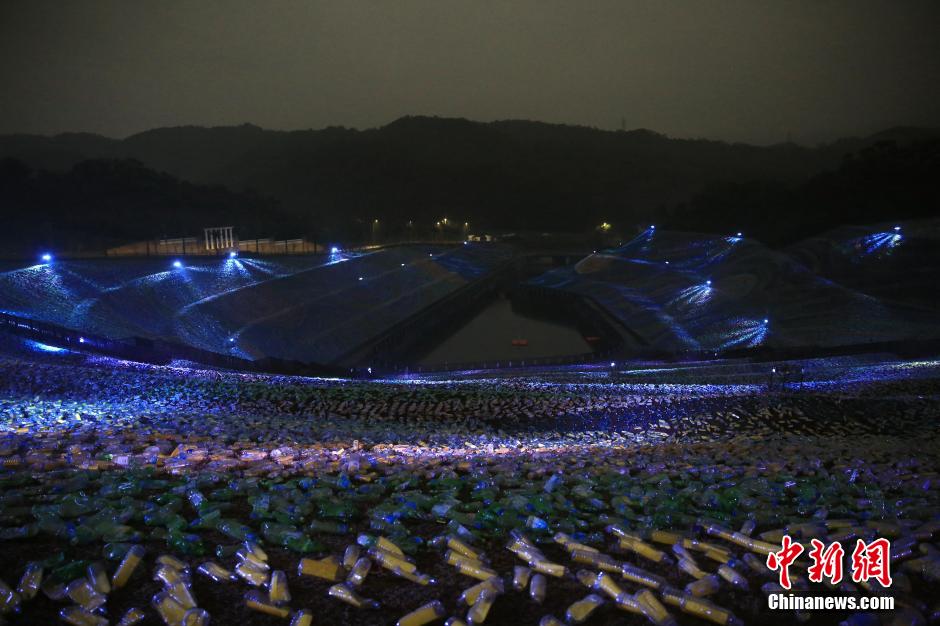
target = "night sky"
x: 745, y: 70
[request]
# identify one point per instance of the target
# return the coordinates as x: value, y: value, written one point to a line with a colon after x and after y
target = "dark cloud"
x: 745, y: 70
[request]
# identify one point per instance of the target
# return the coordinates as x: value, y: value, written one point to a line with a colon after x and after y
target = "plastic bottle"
x: 699, y: 608
x: 358, y: 572
x: 131, y: 617
x: 704, y: 586
x: 391, y: 561
x: 732, y: 576
x: 78, y: 616
x: 640, y: 576
x: 347, y: 595
x: 251, y: 573
x: 520, y: 577
x: 481, y: 608
x: 9, y: 599
x: 170, y: 611
x: 127, y: 566
x: 171, y: 561
x: 278, y: 591
x: 470, y: 595
x: 475, y: 571
x: 215, y: 572
x: 182, y: 593
x: 690, y: 568
x: 255, y: 601
x: 328, y: 568
x: 426, y: 614
x: 653, y: 609
x: 581, y: 610
x: 537, y: 588
x: 81, y: 592
x: 302, y: 617
x: 195, y: 617
x: 30, y: 582
x: 350, y: 556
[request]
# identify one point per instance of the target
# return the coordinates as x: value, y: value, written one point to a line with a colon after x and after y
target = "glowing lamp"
x: 232, y: 254
x: 334, y: 250
x: 177, y: 264
x: 46, y: 257
x: 897, y: 228
x: 708, y: 283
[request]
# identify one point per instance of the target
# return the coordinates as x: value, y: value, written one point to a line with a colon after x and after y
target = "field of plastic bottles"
x: 134, y: 494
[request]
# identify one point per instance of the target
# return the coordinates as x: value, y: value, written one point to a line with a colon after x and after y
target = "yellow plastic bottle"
x: 481, y: 608
x: 255, y: 601
x: 582, y: 609
x: 278, y: 591
x: 170, y: 611
x: 328, y: 569
x: 302, y: 617
x: 82, y: 593
x: 128, y: 564
x: 347, y: 595
x: 653, y: 609
x: 430, y: 612
x: 704, y: 586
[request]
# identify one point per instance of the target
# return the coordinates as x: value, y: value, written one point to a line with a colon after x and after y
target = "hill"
x: 507, y: 174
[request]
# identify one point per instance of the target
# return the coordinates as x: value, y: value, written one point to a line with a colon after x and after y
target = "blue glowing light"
x: 81, y: 340
x: 652, y: 227
x: 766, y: 321
x: 47, y: 258
x: 334, y: 250
x: 177, y: 264
x: 738, y: 235
x: 613, y: 364
x: 708, y: 283
x: 360, y: 278
x: 881, y: 243
x: 44, y: 347
x: 232, y: 254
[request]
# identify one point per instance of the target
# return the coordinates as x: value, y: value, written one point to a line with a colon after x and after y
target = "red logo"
x: 869, y: 561
x: 783, y: 559
x: 872, y: 560
x: 827, y: 562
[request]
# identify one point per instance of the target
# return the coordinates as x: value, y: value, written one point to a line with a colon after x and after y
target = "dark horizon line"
x: 888, y: 129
